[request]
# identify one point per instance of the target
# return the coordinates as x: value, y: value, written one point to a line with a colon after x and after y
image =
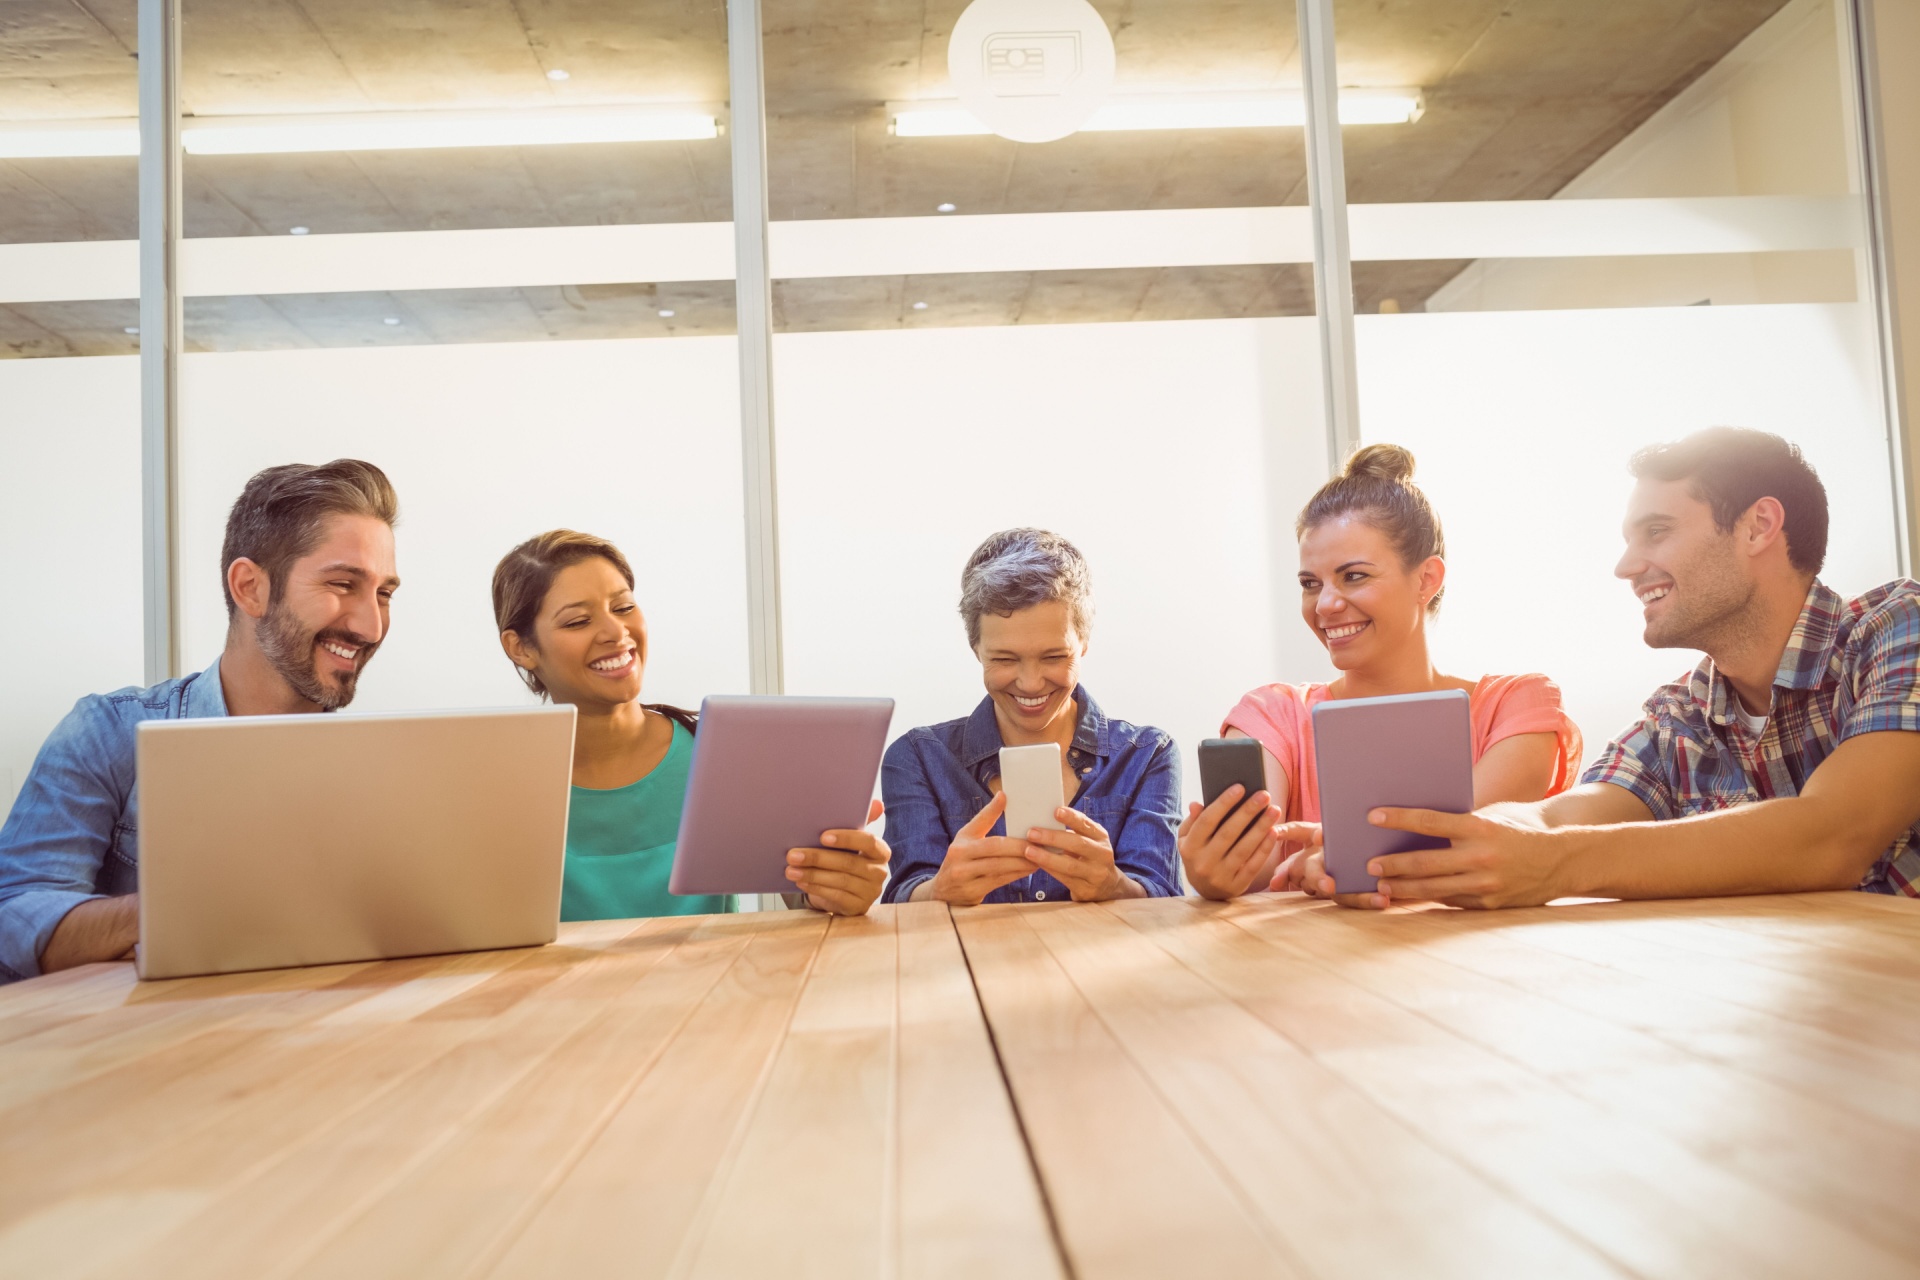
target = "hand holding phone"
x: 977, y: 863
x: 1228, y: 845
x: 1031, y: 781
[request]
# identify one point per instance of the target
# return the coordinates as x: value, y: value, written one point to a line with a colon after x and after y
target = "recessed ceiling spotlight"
x: 948, y: 207
x: 666, y: 313
x: 132, y: 329
x: 556, y: 74
x: 391, y: 320
x: 919, y: 306
x: 297, y: 231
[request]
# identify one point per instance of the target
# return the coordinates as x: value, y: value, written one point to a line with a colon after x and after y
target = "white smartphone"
x: 1030, y: 778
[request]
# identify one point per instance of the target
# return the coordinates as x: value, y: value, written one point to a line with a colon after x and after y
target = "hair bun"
x: 1387, y: 462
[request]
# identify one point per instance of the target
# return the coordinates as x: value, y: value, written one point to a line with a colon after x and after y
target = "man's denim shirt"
x: 935, y: 780
x: 74, y: 833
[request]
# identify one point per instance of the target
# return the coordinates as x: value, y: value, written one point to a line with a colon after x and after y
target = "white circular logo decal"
x: 1031, y: 70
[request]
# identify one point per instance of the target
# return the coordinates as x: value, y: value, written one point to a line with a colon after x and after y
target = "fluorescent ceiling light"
x: 370, y: 131
x: 70, y: 138
x: 418, y: 130
x: 1186, y: 111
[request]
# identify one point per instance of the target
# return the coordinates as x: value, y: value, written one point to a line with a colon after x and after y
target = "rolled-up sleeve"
x: 57, y: 836
x: 1636, y: 762
x: 1147, y: 845
x: 1886, y: 666
x: 914, y: 830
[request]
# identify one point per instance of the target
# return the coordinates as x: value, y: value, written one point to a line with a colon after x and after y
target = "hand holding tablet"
x: 1409, y: 751
x: 769, y: 776
x: 846, y: 876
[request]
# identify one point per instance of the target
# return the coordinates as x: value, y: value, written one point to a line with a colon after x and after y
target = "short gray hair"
x: 1016, y: 569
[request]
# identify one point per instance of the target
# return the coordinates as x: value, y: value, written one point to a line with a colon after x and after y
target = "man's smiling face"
x: 331, y: 613
x: 1687, y: 572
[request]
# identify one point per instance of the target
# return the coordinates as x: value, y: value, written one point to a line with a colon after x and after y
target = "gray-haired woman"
x: 1027, y: 600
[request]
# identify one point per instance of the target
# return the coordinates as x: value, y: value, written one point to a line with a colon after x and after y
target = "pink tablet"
x: 1409, y: 751
x: 770, y: 774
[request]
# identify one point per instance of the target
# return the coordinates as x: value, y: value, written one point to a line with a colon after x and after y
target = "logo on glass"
x: 1027, y: 64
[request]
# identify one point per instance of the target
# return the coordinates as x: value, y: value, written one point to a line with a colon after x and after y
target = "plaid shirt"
x: 1851, y: 667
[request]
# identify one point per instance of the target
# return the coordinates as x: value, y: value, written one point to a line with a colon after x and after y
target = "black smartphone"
x: 1225, y: 761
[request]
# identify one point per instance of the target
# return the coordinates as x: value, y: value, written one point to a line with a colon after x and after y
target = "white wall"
x: 1175, y: 454
x: 1143, y: 442
x: 1523, y: 424
x: 69, y: 544
x: 1769, y: 119
x: 636, y: 441
x: 1895, y: 52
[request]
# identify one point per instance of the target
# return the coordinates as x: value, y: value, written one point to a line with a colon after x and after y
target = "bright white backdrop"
x: 1176, y: 454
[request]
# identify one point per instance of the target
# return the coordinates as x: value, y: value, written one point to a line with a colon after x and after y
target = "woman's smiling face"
x: 1031, y: 663
x: 590, y: 638
x: 1357, y: 595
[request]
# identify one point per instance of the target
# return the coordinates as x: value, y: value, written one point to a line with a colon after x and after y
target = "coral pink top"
x: 1280, y: 716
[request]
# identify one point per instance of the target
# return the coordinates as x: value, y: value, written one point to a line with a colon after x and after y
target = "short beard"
x: 1722, y: 612
x: 289, y: 646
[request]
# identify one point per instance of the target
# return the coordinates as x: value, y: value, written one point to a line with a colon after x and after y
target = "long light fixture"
x: 1177, y: 111
x: 369, y: 131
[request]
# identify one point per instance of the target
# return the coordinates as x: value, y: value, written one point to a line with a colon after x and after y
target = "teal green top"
x: 620, y: 846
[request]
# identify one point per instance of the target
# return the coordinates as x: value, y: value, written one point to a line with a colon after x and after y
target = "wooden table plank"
x: 1847, y: 1072
x: 1133, y: 1192
x: 1649, y: 1203
x: 822, y: 1159
x: 454, y: 1211
x: 1271, y: 1087
x: 165, y: 1138
x: 767, y: 1138
x: 1338, y: 1184
x: 969, y: 1203
x: 1801, y: 1147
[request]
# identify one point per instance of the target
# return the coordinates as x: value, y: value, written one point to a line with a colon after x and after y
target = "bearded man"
x: 1786, y: 761
x: 309, y: 574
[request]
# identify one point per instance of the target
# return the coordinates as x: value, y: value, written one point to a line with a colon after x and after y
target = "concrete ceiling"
x: 1521, y: 96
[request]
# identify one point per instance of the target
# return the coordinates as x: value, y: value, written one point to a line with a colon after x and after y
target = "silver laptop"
x: 273, y: 841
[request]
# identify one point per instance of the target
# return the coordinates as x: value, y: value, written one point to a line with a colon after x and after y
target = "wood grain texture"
x: 710, y: 1096
x: 1272, y: 1087
x: 1658, y: 1089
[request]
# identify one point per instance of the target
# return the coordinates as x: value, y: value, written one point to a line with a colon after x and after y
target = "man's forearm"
x: 98, y: 929
x: 1771, y: 846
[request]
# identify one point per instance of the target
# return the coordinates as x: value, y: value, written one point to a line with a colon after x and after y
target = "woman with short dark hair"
x: 1026, y: 599
x: 568, y: 621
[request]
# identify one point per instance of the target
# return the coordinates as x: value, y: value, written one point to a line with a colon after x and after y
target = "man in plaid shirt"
x: 1787, y: 761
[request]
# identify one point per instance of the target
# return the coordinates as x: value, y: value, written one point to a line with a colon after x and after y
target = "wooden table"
x: 1165, y: 1088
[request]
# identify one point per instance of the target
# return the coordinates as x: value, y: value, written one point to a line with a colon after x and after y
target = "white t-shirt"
x: 1756, y: 725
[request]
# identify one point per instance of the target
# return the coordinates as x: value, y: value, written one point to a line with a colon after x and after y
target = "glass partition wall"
x: 1109, y: 334
x: 489, y: 249
x: 1612, y: 225
x: 1033, y: 262
x: 69, y: 382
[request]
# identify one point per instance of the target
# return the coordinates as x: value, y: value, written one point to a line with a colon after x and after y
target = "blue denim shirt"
x: 934, y: 782
x: 74, y: 833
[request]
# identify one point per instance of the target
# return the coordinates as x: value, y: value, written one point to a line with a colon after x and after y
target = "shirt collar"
x: 205, y: 698
x: 1810, y: 648
x: 1803, y: 664
x: 981, y: 738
